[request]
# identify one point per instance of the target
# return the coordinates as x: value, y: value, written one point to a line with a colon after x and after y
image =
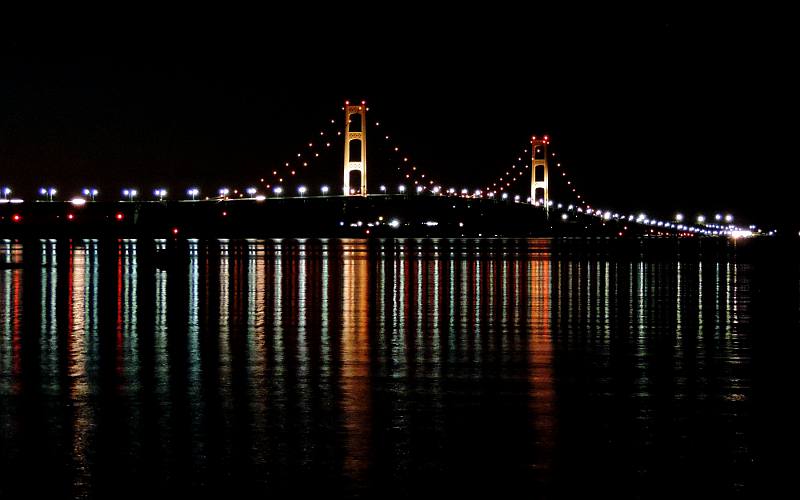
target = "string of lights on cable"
x: 409, y: 172
x: 310, y: 153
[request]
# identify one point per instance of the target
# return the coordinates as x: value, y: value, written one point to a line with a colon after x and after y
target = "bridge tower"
x: 539, y: 171
x: 355, y: 155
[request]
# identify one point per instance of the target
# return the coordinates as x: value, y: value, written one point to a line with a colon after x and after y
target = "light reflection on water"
x: 357, y: 368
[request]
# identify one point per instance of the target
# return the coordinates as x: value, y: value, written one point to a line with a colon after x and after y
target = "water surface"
x: 377, y: 369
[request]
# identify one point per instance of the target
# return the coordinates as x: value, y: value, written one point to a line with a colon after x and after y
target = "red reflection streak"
x: 542, y: 391
x: 16, y: 343
x: 119, y: 348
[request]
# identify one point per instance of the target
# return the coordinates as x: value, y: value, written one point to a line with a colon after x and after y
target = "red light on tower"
x: 70, y: 216
x: 174, y: 230
x: 119, y: 216
x: 16, y: 217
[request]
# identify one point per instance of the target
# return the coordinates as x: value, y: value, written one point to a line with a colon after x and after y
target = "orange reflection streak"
x: 356, y: 404
x: 542, y: 390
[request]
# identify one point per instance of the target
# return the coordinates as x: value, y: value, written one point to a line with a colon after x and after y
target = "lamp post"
x: 49, y: 192
x: 90, y: 192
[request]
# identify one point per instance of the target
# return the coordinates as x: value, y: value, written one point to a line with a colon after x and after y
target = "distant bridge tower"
x: 355, y: 146
x: 539, y: 171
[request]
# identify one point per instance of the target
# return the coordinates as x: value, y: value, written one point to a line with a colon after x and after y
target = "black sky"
x: 664, y: 109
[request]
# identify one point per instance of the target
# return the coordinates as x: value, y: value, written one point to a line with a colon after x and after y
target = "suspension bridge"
x: 533, y: 195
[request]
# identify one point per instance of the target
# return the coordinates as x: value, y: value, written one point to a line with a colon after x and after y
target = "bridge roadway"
x: 381, y: 215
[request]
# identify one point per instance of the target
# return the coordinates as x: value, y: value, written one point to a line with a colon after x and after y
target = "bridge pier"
x: 355, y: 155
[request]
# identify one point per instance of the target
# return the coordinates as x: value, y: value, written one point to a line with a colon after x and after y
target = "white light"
x: 301, y: 190
x: 718, y: 217
x: 260, y: 197
x: 701, y: 218
x: 504, y: 196
x: 383, y: 188
x: 324, y: 189
x: 419, y: 189
x: 431, y: 223
x: 78, y: 201
x: 251, y: 191
x: 679, y: 217
x: 516, y: 198
x: 728, y: 218
x: 564, y: 216
x: 278, y: 190
x: 401, y: 188
x: 741, y: 233
x: 224, y: 191
x: 394, y: 223
x: 16, y: 200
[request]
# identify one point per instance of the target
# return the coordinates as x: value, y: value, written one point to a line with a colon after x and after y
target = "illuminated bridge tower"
x: 355, y: 146
x: 539, y: 171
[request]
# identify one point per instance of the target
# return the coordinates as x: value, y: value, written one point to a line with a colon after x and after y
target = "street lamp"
x: 401, y: 188
x: 6, y: 191
x: 90, y: 192
x: 419, y: 189
x: 193, y: 192
x: 301, y: 190
x: 251, y: 191
x: 224, y: 192
x: 383, y: 188
x: 324, y: 190
x: 278, y: 190
x: 161, y: 193
x: 49, y: 192
x: 701, y: 219
x: 679, y: 217
x: 130, y: 193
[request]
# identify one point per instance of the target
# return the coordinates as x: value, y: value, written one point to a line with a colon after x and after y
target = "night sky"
x: 661, y: 110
